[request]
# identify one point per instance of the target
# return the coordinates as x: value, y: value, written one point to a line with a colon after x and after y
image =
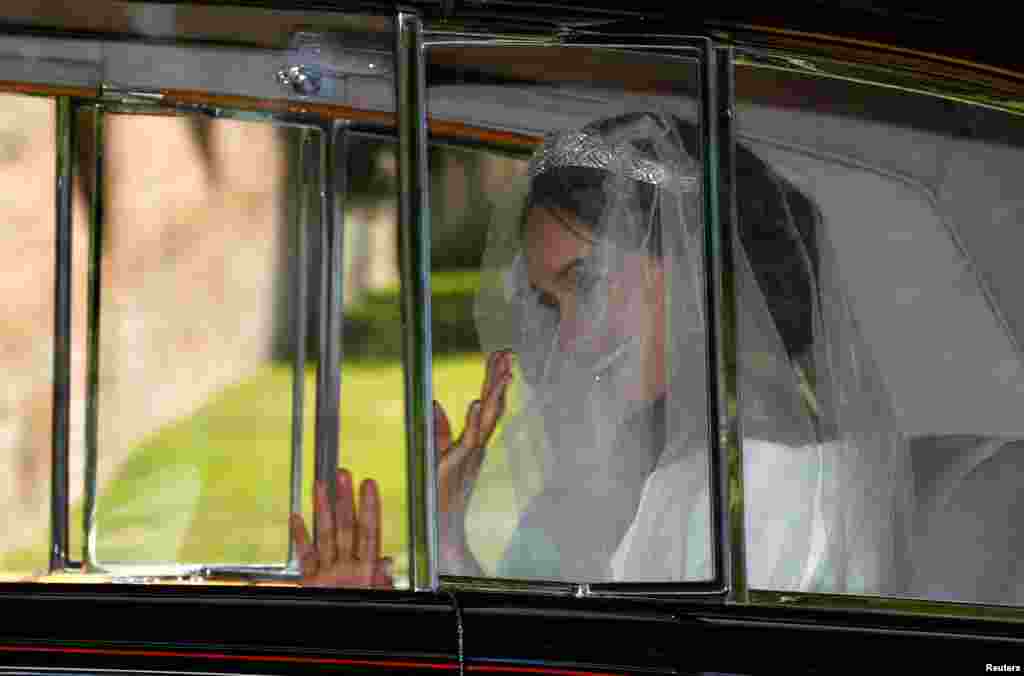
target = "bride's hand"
x: 459, y: 463
x: 347, y: 548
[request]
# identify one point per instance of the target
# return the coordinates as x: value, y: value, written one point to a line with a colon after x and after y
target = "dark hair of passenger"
x: 776, y: 224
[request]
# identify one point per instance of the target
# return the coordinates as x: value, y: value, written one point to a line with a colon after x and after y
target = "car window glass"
x: 28, y: 161
x: 459, y: 233
x: 196, y: 289
x: 372, y: 436
x: 199, y: 404
x: 890, y: 272
x: 587, y: 459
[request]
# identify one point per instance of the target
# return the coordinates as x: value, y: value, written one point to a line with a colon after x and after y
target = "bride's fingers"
x: 383, y: 577
x: 494, y: 406
x: 368, y: 545
x: 442, y: 430
x: 473, y: 464
x: 502, y: 366
x: 457, y: 458
x: 304, y: 549
x: 345, y: 513
x: 489, y: 370
x: 456, y: 468
x: 471, y: 433
x: 325, y: 542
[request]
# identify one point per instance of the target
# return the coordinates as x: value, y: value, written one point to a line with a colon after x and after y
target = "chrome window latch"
x: 321, y: 64
x: 301, y: 79
x: 111, y: 93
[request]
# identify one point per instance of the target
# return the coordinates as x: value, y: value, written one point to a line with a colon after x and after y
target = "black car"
x: 252, y: 241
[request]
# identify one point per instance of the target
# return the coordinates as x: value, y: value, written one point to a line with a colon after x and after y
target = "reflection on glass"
x: 586, y: 459
x: 197, y: 333
x: 887, y: 227
x: 27, y: 212
x: 467, y: 187
x: 372, y: 437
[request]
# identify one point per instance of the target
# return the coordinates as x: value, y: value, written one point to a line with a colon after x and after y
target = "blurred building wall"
x: 198, y: 267
x: 191, y: 273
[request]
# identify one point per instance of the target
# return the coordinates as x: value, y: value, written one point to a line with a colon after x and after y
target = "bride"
x: 593, y: 298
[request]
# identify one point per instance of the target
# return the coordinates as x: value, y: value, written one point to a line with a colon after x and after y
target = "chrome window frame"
x: 314, y: 166
x: 729, y: 578
x: 414, y: 293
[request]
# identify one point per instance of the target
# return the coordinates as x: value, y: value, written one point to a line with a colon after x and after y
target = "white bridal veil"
x: 608, y: 458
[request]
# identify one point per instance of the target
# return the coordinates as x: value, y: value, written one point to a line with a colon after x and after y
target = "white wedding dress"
x: 787, y: 534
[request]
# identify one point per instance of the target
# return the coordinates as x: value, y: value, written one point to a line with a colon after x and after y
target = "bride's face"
x: 562, y: 268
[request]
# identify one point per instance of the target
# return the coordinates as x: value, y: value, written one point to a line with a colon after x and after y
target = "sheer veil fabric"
x: 609, y: 459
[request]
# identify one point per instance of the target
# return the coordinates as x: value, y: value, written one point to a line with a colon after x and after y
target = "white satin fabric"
x: 790, y: 540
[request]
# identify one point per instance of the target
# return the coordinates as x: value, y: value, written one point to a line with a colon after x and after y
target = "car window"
x: 196, y: 322
x: 27, y: 132
x: 372, y: 437
x: 572, y: 403
x: 184, y: 418
x: 204, y: 285
x: 459, y: 236
x: 898, y: 464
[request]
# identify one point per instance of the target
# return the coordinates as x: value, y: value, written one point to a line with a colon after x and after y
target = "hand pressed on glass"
x: 459, y: 463
x: 347, y: 548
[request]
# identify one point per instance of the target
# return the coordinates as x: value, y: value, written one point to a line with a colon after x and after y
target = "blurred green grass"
x: 214, y: 487
x: 373, y: 328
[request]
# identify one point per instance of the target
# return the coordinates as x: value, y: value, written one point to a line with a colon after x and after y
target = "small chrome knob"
x: 304, y: 80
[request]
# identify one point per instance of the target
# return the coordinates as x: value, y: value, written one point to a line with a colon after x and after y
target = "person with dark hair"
x: 593, y: 299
